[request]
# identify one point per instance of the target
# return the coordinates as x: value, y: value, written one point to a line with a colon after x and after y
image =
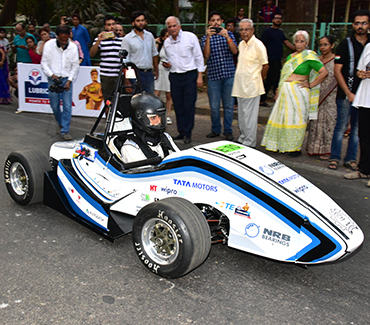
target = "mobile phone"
x: 109, y: 35
x: 217, y: 29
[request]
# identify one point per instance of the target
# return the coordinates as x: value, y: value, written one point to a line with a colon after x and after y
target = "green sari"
x: 286, y: 127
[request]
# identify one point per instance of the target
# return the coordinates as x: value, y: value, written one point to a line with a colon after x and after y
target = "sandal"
x: 351, y: 164
x: 324, y: 157
x: 333, y: 165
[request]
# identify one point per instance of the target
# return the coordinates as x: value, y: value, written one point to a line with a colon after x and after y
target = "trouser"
x: 218, y: 89
x: 345, y: 110
x: 272, y: 79
x: 147, y: 81
x: 364, y: 135
x: 63, y: 117
x: 184, y: 95
x: 108, y: 87
x: 248, y: 120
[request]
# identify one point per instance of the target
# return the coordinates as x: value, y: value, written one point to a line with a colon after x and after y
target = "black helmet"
x: 149, y: 114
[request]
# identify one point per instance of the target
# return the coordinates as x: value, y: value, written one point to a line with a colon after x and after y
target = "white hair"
x: 247, y: 20
x: 177, y: 20
x: 303, y: 33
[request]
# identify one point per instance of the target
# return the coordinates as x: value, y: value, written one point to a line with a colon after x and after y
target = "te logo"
x: 153, y: 188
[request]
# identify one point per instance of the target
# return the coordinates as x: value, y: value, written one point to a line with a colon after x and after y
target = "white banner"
x: 87, y: 97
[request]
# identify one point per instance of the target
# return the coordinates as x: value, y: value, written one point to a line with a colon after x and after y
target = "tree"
x: 8, y: 12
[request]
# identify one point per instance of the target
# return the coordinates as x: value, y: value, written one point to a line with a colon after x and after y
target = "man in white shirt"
x: 186, y: 65
x: 140, y: 45
x: 60, y: 63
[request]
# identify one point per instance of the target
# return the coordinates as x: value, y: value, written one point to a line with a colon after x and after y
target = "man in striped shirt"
x: 109, y: 45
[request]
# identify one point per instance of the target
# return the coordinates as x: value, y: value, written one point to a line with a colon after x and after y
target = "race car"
x: 178, y: 206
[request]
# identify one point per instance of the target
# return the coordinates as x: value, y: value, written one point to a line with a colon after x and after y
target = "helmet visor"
x: 156, y: 121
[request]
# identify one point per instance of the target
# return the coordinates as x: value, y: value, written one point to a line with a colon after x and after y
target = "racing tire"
x: 171, y: 237
x: 24, y: 176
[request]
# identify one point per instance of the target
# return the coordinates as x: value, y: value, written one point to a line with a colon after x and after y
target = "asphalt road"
x: 55, y: 271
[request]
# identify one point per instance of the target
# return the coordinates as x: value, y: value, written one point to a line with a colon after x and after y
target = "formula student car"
x: 178, y: 206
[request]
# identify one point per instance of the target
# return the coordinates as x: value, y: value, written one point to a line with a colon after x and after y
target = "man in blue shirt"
x: 218, y: 46
x: 273, y: 38
x: 81, y: 35
x: 20, y: 45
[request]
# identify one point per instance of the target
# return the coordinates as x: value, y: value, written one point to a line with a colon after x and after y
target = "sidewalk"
x: 203, y: 126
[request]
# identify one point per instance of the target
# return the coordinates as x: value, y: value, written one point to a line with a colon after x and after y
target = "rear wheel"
x: 171, y: 237
x: 24, y: 176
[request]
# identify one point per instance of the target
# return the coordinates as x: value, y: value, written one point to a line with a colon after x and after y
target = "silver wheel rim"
x: 19, y: 179
x: 160, y: 241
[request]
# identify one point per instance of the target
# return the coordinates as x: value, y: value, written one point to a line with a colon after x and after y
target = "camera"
x: 217, y: 29
x: 57, y: 86
x: 67, y: 19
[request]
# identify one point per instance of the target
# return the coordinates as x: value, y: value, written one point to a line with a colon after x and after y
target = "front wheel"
x: 24, y: 176
x: 171, y: 237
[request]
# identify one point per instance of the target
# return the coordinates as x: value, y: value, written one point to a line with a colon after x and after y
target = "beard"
x: 139, y: 29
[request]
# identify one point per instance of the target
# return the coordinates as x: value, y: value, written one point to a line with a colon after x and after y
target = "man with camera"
x: 218, y: 46
x: 109, y: 45
x: 60, y: 64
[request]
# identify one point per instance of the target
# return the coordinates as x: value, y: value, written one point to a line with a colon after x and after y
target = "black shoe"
x: 212, y: 135
x: 295, y: 154
x: 229, y: 136
x: 178, y: 137
x: 264, y: 104
x: 187, y: 140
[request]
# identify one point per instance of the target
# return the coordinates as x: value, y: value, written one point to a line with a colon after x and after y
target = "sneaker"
x: 229, y: 136
x: 169, y: 121
x: 212, y: 135
x: 67, y: 136
x: 59, y: 129
x: 356, y: 175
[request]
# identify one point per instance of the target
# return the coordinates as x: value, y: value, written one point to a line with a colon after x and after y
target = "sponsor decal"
x: 276, y: 237
x: 227, y: 206
x: 145, y: 197
x: 196, y: 185
x: 93, y: 215
x: 240, y: 157
x: 288, y: 179
x: 300, y: 189
x: 227, y: 148
x: 252, y: 230
x: 342, y: 220
x: 271, y: 168
x: 172, y: 191
x: 243, y: 211
x: 153, y: 188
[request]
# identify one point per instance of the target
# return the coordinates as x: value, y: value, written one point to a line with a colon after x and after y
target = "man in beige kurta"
x: 248, y: 86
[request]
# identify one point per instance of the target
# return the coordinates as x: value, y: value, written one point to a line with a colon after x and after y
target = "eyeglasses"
x: 245, y: 29
x: 364, y: 23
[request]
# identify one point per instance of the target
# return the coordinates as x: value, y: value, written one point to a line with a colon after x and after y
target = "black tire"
x: 24, y: 176
x: 171, y: 237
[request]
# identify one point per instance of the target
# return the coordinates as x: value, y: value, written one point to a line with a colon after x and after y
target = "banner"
x: 87, y: 97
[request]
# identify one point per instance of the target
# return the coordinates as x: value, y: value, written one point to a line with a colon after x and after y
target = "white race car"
x: 176, y: 207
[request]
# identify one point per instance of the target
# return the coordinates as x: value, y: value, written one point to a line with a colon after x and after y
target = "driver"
x: 149, y: 119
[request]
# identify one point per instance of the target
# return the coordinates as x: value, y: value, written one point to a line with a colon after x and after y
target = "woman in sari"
x: 321, y: 130
x: 296, y: 99
x: 5, y: 97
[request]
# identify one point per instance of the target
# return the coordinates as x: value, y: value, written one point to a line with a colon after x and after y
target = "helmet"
x: 149, y: 114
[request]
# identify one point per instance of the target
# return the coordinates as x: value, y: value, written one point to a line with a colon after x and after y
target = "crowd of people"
x: 241, y: 70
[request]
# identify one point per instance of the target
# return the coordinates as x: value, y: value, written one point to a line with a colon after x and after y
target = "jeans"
x: 63, y: 117
x: 344, y: 111
x: 147, y: 81
x: 218, y: 89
